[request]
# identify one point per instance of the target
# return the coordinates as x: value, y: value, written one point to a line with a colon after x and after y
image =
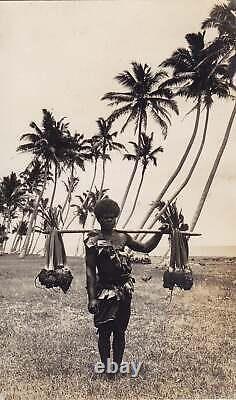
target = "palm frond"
x: 126, y: 79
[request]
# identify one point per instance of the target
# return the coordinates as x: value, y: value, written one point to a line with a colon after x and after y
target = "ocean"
x: 205, y: 251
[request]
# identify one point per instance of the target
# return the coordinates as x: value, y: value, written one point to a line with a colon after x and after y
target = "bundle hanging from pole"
x: 56, y: 274
x: 179, y: 272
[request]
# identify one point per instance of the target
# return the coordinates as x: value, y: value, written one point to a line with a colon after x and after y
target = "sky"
x: 64, y: 56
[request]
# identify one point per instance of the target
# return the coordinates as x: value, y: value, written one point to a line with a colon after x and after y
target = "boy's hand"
x: 93, y: 306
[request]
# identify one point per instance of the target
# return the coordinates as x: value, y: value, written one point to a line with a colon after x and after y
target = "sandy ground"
x: 49, y: 346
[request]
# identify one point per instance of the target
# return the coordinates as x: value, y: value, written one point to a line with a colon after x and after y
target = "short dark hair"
x: 105, y: 206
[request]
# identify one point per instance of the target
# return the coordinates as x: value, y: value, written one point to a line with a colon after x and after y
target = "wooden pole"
x: 151, y: 231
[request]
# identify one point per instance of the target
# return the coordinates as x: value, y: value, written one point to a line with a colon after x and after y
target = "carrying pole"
x: 151, y: 231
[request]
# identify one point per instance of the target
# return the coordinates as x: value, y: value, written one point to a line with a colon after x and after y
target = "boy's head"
x: 106, y: 212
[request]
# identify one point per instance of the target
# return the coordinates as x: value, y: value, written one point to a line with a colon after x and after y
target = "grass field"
x: 49, y: 345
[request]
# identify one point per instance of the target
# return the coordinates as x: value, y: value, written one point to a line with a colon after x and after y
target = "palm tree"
x: 78, y: 151
x: 146, y: 155
x: 21, y: 230
x: 70, y: 186
x: 3, y: 238
x: 213, y: 171
x: 95, y: 154
x: 49, y: 145
x: 87, y: 202
x: 144, y: 94
x: 130, y: 157
x: 222, y: 18
x: 105, y: 141
x: 198, y: 81
x: 12, y: 197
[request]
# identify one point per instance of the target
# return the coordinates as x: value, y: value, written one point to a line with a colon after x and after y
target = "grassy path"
x: 48, y: 343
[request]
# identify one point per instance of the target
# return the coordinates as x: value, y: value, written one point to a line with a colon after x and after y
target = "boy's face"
x: 107, y: 221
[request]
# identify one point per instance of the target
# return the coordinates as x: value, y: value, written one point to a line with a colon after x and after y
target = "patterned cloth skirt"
x: 113, y: 311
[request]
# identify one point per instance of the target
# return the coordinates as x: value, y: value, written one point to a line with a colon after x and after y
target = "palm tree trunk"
x: 128, y: 187
x: 32, y: 237
x: 102, y: 183
x: 93, y: 180
x: 136, y: 198
x: 25, y: 246
x: 54, y: 187
x: 140, y: 127
x: 213, y: 171
x: 36, y: 242
x: 13, y: 247
x: 19, y: 238
x: 8, y: 228
x: 181, y: 187
x: 19, y: 249
x: 177, y: 170
x: 103, y: 177
x: 69, y: 191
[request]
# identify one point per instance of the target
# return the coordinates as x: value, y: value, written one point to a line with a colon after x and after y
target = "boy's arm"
x: 91, y: 279
x: 150, y: 244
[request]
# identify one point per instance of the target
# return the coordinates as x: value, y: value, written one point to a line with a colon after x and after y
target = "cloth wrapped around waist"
x: 119, y: 289
x: 114, y: 302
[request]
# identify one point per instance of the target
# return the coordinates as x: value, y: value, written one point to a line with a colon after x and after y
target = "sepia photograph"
x: 118, y: 200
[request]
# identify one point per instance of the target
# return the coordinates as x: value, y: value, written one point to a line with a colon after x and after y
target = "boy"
x: 109, y: 280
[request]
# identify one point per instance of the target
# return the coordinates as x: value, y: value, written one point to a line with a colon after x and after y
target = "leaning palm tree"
x: 49, y: 145
x: 222, y: 91
x: 199, y: 81
x: 147, y: 155
x: 146, y: 93
x: 212, y: 172
x: 222, y: 17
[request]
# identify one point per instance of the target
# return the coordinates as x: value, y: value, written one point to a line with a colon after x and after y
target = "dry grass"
x: 48, y: 343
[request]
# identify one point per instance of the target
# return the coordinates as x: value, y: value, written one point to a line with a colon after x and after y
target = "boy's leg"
x: 104, y: 345
x: 118, y: 345
x: 120, y: 325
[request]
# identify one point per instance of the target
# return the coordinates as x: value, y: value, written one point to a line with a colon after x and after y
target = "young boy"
x: 109, y: 280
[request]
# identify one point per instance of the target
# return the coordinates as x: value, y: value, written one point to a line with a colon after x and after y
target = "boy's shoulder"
x: 92, y: 237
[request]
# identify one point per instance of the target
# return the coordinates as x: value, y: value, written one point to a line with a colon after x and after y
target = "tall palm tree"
x: 130, y: 157
x: 105, y: 141
x: 144, y: 94
x: 49, y: 145
x: 147, y: 155
x: 200, y: 82
x: 78, y: 151
x: 222, y: 17
x: 93, y: 153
